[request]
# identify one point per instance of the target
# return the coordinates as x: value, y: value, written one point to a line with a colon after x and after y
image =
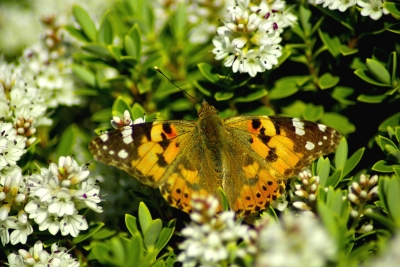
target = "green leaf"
x: 115, y: 51
x: 144, y: 217
x: 341, y: 154
x: 99, y: 50
x: 106, y: 33
x: 338, y: 122
x: 371, y: 99
x: 93, y: 229
x: 179, y: 22
x: 85, y: 74
x: 132, y: 225
x: 327, y: 80
x: 304, y: 17
x: 135, y: 251
x: 332, y: 44
x: 67, y: 141
x: 282, y: 92
x: 392, y: 121
x: 382, y: 220
x: 352, y: 162
x: 103, y: 233
x: 385, y: 144
x: 382, y: 166
x: 159, y: 263
x: 347, y: 51
x: 135, y: 42
x: 78, y: 34
x: 165, y: 235
x: 130, y: 48
x: 209, y: 72
x: 378, y: 71
x: 363, y: 75
x: 328, y: 219
x: 393, y: 200
x: 343, y: 19
x: 251, y: 97
x: 393, y: 8
x: 323, y: 169
x: 119, y: 107
x: 151, y: 234
x: 340, y: 93
x: 313, y: 113
x: 223, y: 96
x: 334, y: 179
x: 84, y: 22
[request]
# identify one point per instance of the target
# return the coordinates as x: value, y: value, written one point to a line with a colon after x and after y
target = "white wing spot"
x: 322, y: 127
x: 309, y: 146
x: 299, y: 126
x: 127, y: 135
x: 111, y: 152
x: 104, y: 137
x: 324, y: 137
x: 320, y: 143
x: 122, y: 154
x: 105, y: 147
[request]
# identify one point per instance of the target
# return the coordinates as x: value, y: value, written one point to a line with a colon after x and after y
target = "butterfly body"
x: 250, y: 157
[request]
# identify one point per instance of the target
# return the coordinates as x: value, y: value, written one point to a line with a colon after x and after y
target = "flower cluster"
x: 126, y: 120
x: 306, y: 191
x: 38, y: 257
x: 361, y: 192
x: 372, y: 8
x: 12, y: 147
x: 296, y: 241
x: 52, y: 198
x: 252, y: 34
x: 58, y: 193
x: 211, y: 239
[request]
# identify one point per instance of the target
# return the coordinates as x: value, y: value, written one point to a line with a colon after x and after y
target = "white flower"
x: 73, y: 224
x: 372, y: 8
x: 390, y: 256
x: 11, y: 145
x: 38, y: 257
x: 4, y: 226
x: 342, y: 5
x: 302, y: 240
x: 62, y: 203
x: 208, y: 238
x: 22, y: 229
x: 37, y: 210
x: 253, y: 33
x: 88, y: 196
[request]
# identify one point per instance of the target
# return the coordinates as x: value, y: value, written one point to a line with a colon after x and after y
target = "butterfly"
x: 250, y: 157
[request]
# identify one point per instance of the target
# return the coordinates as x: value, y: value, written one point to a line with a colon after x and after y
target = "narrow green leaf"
x: 103, y: 233
x: 136, y: 37
x: 144, y: 217
x: 130, y: 47
x: 99, y: 50
x: 118, y: 251
x: 352, y: 162
x: 223, y: 198
x: 378, y: 70
x: 334, y: 179
x: 132, y: 225
x: 78, y: 34
x: 333, y: 43
x: 323, y: 172
x: 327, y: 80
x: 67, y: 141
x: 255, y: 95
x: 340, y: 93
x: 382, y: 166
x: 363, y: 75
x: 222, y: 96
x: 382, y: 220
x: 135, y: 251
x: 85, y: 22
x: 151, y: 234
x: 392, y: 121
x: 385, y: 144
x: 328, y: 219
x: 305, y: 15
x: 393, y: 200
x: 165, y: 235
x: 347, y: 51
x: 105, y: 33
x: 371, y: 99
x: 341, y: 154
x: 85, y: 74
x: 159, y: 263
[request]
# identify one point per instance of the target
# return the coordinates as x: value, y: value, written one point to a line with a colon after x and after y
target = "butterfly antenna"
x: 157, y: 69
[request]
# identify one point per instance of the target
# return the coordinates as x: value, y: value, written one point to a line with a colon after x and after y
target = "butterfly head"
x: 207, y: 109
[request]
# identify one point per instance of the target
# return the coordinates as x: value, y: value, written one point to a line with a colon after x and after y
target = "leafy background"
x: 337, y: 68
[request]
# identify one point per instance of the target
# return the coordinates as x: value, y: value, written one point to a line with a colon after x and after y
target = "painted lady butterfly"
x: 250, y: 157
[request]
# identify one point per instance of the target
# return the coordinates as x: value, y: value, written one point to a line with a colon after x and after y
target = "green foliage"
x: 335, y: 69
